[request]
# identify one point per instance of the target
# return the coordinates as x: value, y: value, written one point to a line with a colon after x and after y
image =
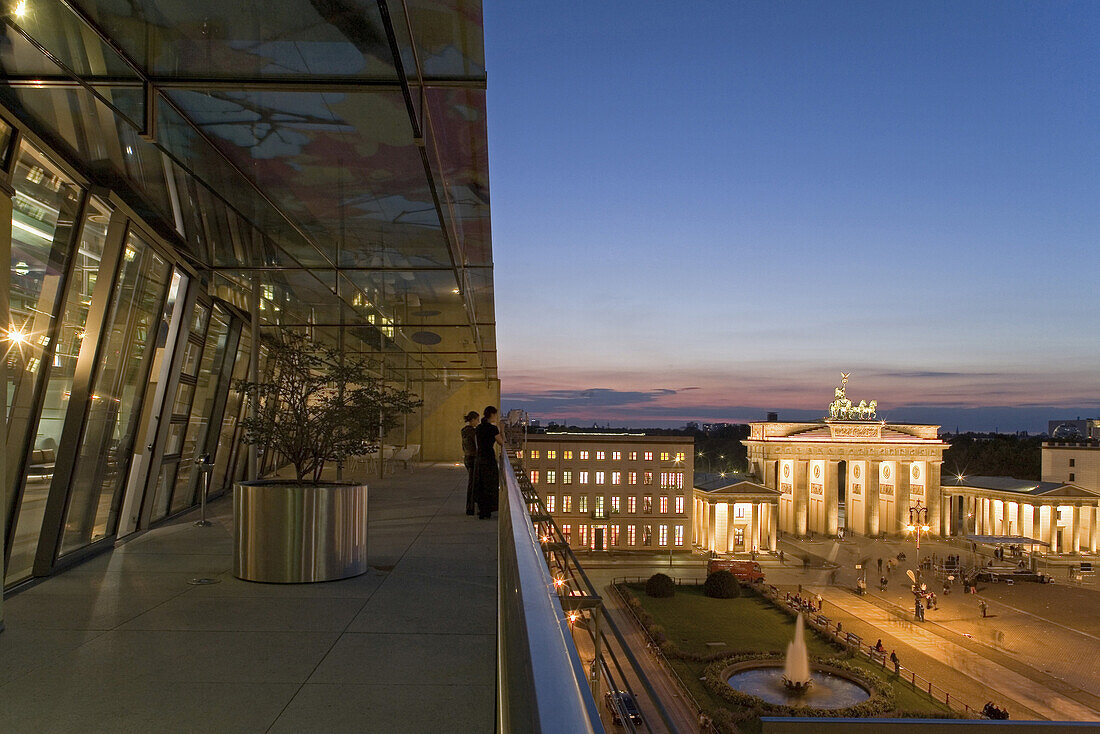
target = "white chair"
x: 406, y: 454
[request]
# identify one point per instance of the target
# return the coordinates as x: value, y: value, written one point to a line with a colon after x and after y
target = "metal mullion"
x: 17, y: 464
x: 49, y: 541
x: 349, y: 85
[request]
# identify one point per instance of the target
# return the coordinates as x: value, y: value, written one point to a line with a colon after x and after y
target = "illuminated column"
x: 773, y: 527
x: 1094, y: 532
x: 712, y: 512
x: 870, y: 497
x: 832, y: 497
x: 801, y: 499
x: 731, y: 536
x: 1004, y: 517
x: 754, y: 528
x: 987, y: 517
x: 902, y: 500
x: 932, y: 492
x: 1021, y: 524
x: 770, y: 479
x: 1075, y: 530
x: 1036, y: 522
x: 1049, y: 533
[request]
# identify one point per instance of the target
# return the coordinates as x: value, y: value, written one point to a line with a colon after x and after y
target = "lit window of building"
x: 598, y: 500
x: 680, y: 504
x: 582, y: 533
x: 584, y: 456
x: 613, y: 535
x: 599, y: 477
x: 647, y: 478
x: 519, y: 454
x: 582, y: 503
x: 551, y: 476
x: 647, y: 504
x: 632, y: 477
x: 549, y: 503
x: 631, y: 505
x: 616, y: 477
x: 680, y: 456
x: 633, y: 455
x: 534, y: 453
x: 566, y: 476
x: 599, y: 456
x: 662, y: 535
x: 630, y: 535
x: 647, y: 535
x: 567, y: 503
x: 664, y: 456
x: 615, y: 503
x: 616, y: 455
x: 551, y: 454
x: 663, y: 504
x: 679, y: 538
x: 566, y: 531
x: 535, y: 477
x: 583, y: 477
x: 567, y: 454
x: 649, y: 456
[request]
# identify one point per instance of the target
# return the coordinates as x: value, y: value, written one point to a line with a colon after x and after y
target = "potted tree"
x: 315, y: 408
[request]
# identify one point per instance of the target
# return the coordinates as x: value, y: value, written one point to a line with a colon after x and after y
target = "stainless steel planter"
x: 290, y: 534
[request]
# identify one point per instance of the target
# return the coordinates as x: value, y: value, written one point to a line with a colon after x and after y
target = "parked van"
x: 747, y: 572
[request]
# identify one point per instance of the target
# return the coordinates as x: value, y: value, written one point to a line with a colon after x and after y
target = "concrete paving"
x: 123, y: 643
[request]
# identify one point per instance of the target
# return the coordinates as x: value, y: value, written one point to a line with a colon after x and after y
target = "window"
x: 599, y: 477
x: 567, y: 503
x: 519, y: 454
x: 632, y: 505
x: 616, y: 455
x: 649, y: 456
x: 663, y: 504
x: 598, y: 500
x: 1073, y: 462
x: 567, y: 454
x: 551, y: 476
x: 672, y: 480
x: 551, y: 454
x: 664, y: 456
x: 582, y: 532
x: 679, y: 539
x: 584, y: 456
x: 549, y: 503
x: 680, y: 456
x: 566, y: 476
x: 647, y: 535
x: 613, y: 538
x: 738, y: 510
x: 647, y: 478
x: 566, y: 531
x: 534, y: 453
x: 647, y: 504
x: 616, y: 477
x: 630, y: 535
x: 584, y: 477
x: 582, y: 503
x: 1071, y: 475
x: 633, y: 455
x: 632, y: 477
x: 599, y: 456
x: 535, y: 477
x: 680, y: 504
x: 615, y: 503
x: 662, y: 535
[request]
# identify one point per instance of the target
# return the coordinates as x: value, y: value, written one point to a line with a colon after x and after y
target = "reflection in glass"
x: 44, y: 209
x: 130, y: 334
x: 228, y: 449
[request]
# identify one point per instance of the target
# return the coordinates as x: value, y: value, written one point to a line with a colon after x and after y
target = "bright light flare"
x: 17, y: 336
x: 20, y: 10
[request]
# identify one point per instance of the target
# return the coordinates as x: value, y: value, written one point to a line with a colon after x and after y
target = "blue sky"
x: 748, y: 197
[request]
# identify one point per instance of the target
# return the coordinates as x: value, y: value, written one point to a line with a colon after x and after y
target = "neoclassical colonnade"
x: 729, y: 522
x: 1065, y: 523
x: 879, y: 470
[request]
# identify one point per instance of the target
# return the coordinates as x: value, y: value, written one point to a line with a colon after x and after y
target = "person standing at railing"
x: 469, y: 453
x: 488, y: 475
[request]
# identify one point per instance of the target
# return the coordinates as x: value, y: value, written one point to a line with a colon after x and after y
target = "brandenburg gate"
x: 874, y: 469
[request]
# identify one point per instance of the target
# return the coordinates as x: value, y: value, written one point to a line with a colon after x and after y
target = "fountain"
x: 796, y: 668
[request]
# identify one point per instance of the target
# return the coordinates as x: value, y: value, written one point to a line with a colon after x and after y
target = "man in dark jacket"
x: 469, y: 453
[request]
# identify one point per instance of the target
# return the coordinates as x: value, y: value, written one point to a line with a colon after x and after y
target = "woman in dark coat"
x: 488, y: 475
x: 469, y: 454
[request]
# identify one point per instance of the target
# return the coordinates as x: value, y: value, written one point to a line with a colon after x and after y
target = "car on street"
x: 622, y: 704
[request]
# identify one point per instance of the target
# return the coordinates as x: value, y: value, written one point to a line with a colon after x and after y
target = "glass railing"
x: 541, y: 682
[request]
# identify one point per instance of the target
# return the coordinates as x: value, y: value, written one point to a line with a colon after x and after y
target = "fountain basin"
x: 828, y: 688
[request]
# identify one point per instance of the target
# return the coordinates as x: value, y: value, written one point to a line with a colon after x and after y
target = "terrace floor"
x: 124, y: 643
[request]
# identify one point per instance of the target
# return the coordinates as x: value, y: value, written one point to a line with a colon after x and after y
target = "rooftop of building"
x: 598, y: 437
x: 731, y: 483
x: 1019, y: 486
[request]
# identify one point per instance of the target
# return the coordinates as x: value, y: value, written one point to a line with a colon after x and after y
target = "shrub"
x: 722, y: 585
x: 660, y: 586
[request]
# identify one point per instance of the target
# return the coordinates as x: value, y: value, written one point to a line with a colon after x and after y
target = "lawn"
x: 747, y: 624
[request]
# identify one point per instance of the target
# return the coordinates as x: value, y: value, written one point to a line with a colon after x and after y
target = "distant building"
x: 615, y: 491
x: 1074, y: 462
x: 734, y: 514
x: 1078, y: 429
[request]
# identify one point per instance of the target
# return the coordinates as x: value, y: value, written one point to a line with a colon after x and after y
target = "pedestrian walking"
x: 817, y: 598
x: 882, y: 584
x: 896, y: 662
x: 781, y: 557
x: 918, y: 610
x: 983, y: 608
x: 469, y: 452
x: 880, y: 565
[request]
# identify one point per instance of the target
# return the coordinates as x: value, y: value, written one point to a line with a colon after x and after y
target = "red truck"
x: 747, y: 572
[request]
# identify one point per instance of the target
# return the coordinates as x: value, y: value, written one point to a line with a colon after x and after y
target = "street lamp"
x: 918, y: 523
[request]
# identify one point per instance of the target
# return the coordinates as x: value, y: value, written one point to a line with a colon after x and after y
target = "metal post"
x: 254, y: 376
x: 596, y: 646
x: 206, y: 466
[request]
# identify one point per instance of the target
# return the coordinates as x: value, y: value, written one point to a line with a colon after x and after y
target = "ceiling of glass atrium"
x: 347, y: 137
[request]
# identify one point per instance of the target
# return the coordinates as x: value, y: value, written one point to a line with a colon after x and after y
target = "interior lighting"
x: 20, y: 10
x: 559, y: 582
x: 17, y: 336
x: 456, y: 291
x: 573, y: 617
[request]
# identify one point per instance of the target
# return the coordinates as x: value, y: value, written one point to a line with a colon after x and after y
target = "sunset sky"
x: 706, y: 211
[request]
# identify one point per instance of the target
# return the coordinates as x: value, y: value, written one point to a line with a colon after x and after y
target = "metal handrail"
x: 541, y: 682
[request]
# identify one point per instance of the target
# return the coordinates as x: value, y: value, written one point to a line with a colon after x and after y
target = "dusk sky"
x: 705, y: 211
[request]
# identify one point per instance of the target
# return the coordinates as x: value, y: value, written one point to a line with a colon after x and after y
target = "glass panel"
x: 182, y: 403
x: 175, y: 439
x: 26, y: 525
x: 227, y: 450
x: 130, y: 331
x: 202, y: 408
x: 198, y: 319
x: 191, y: 354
